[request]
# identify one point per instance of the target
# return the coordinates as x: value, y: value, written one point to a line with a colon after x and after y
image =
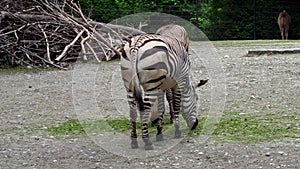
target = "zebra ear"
x: 201, y: 83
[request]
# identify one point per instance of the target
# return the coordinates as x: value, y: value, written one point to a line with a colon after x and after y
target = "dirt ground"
x: 31, y: 102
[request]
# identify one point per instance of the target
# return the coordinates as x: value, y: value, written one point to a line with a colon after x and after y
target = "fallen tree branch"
x: 68, y: 46
x: 47, y: 34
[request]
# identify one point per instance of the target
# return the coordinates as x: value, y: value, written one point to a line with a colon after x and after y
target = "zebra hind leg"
x: 161, y: 111
x: 144, y: 115
x: 133, y: 117
x: 148, y: 143
x: 134, y: 143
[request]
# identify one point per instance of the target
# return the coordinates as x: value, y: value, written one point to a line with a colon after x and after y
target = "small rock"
x: 175, y: 164
x: 268, y: 154
x: 200, y: 153
x: 35, y: 137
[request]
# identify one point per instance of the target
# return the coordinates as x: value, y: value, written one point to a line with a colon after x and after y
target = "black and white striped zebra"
x: 151, y: 64
x: 178, y: 32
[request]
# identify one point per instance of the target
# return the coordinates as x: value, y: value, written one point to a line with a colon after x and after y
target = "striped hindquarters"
x: 151, y: 59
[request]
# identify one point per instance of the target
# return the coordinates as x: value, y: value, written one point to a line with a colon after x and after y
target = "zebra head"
x: 189, y: 107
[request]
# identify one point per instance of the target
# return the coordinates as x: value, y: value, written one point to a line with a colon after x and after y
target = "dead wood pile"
x: 41, y: 33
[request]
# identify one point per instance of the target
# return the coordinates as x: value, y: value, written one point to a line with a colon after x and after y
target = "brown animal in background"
x: 284, y: 21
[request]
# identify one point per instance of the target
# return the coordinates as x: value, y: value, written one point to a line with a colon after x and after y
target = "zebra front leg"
x: 176, y: 104
x: 169, y: 97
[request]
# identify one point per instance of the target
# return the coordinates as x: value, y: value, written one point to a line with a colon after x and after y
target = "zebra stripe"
x: 151, y: 64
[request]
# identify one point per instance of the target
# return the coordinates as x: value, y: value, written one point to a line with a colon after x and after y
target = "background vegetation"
x: 218, y: 19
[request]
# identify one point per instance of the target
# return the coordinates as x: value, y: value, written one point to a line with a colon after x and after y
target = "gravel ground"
x: 31, y: 102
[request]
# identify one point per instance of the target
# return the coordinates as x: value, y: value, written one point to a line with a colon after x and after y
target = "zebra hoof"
x: 149, y: 147
x: 134, y: 144
x: 160, y: 137
x: 148, y: 144
x: 154, y: 121
x: 171, y: 120
x: 177, y: 134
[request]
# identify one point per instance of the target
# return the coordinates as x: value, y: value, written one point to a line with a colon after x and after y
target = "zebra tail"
x: 137, y: 89
x: 138, y: 94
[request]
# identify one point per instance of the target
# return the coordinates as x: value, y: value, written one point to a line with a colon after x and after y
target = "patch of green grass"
x: 233, y: 127
x: 252, y: 129
x: 75, y: 127
x: 70, y: 127
x: 119, y: 125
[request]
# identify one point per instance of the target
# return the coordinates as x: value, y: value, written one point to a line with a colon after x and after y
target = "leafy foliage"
x: 218, y: 19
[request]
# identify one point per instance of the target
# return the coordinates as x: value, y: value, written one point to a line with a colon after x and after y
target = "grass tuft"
x: 251, y: 129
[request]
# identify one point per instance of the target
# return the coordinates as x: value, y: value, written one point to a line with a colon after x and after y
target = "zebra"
x: 178, y: 32
x: 151, y: 64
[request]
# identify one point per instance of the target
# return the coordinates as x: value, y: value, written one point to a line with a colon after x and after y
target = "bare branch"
x: 47, y: 44
x: 68, y: 46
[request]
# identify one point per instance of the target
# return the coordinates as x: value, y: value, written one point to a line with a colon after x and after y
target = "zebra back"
x: 175, y: 31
